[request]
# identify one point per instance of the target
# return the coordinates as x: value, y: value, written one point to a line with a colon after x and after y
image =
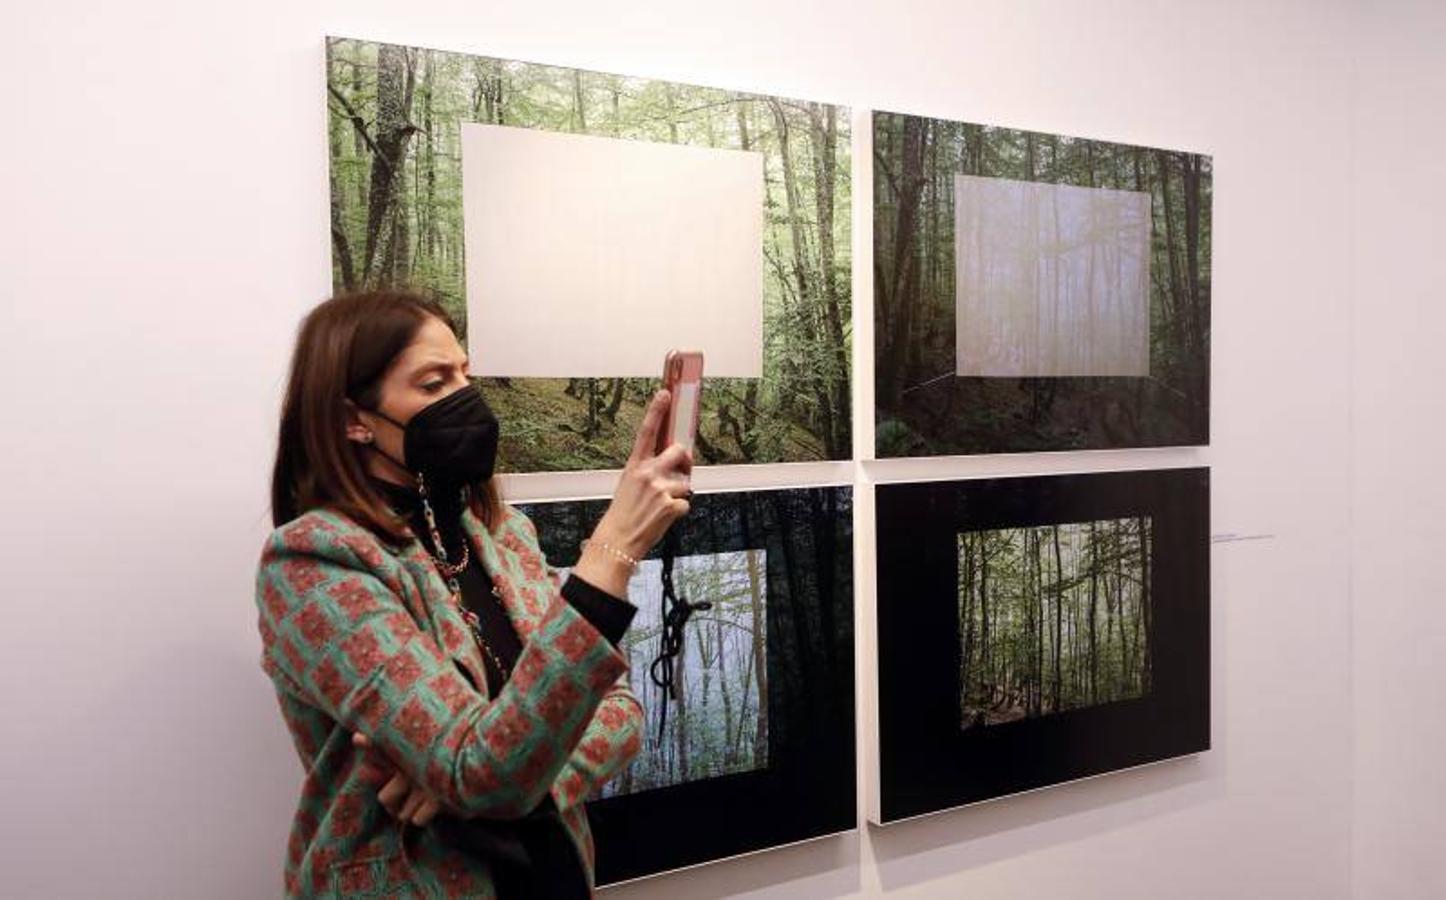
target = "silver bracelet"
x: 615, y: 552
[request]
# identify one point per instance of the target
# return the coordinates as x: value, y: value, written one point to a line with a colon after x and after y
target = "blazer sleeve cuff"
x: 610, y: 615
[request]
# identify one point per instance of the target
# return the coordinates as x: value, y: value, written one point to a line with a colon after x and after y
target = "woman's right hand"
x: 400, y: 797
x: 651, y: 495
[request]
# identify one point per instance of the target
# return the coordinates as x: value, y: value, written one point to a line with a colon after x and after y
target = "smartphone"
x: 683, y: 377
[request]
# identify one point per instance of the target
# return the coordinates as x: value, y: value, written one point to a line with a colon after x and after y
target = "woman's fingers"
x: 426, y: 811
x: 414, y: 800
x: 675, y: 458
x: 393, y: 793
x: 419, y: 808
x: 648, y: 431
x: 650, y: 494
x: 399, y: 796
x: 674, y: 487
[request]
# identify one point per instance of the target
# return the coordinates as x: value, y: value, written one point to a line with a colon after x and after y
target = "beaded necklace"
x: 450, y: 571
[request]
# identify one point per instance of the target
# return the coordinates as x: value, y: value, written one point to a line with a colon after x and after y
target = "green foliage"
x: 894, y: 438
x: 395, y: 117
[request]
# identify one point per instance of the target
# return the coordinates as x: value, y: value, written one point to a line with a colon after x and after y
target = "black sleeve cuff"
x: 606, y: 613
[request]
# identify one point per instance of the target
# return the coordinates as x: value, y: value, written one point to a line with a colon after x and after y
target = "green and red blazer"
x: 360, y: 635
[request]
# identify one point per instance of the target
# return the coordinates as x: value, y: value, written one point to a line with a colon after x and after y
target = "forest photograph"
x: 1012, y: 318
x: 395, y: 120
x: 1053, y: 618
x: 1036, y: 629
x: 715, y: 724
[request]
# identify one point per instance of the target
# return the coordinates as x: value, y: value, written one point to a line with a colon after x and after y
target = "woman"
x: 418, y: 640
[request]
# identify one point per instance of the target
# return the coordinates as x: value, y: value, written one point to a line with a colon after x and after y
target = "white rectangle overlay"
x: 592, y: 256
x: 1051, y: 280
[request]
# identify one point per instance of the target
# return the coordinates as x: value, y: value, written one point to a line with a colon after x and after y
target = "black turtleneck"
x: 531, y: 856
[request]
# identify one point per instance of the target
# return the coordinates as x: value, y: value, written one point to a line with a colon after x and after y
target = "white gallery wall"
x: 1398, y: 508
x: 163, y: 179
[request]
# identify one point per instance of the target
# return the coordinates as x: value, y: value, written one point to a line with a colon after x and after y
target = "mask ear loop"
x: 421, y: 483
x: 416, y: 476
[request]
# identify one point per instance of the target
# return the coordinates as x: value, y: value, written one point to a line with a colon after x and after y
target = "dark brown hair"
x: 344, y: 347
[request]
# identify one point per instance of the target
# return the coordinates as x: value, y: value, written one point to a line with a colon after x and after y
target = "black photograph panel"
x: 754, y: 748
x: 1040, y: 629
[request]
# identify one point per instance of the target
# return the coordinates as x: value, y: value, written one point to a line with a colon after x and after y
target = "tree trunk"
x: 792, y: 203
x: 1094, y: 599
x: 706, y: 655
x: 1058, y: 617
x: 760, y: 661
x: 1120, y: 607
x: 590, y: 428
x: 802, y: 274
x: 966, y: 618
x: 577, y: 104
x: 825, y: 144
x: 1175, y: 319
x: 428, y: 240
x: 986, y: 655
x: 904, y: 279
x: 719, y: 638
x: 393, y: 129
x: 1191, y: 166
x: 748, y: 431
x: 359, y: 138
x: 1141, y: 643
x: 340, y: 246
x: 680, y: 712
x: 617, y: 400
x: 1032, y: 542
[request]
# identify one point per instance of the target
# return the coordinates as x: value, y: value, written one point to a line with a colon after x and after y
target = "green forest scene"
x: 1053, y: 618
x: 395, y: 117
x: 716, y: 724
x: 924, y: 407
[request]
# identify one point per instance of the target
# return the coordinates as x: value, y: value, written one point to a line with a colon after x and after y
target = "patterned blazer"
x: 360, y: 635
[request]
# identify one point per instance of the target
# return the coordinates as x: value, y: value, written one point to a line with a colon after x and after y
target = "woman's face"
x: 431, y: 367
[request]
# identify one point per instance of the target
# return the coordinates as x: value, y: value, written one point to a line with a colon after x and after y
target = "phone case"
x: 683, y: 377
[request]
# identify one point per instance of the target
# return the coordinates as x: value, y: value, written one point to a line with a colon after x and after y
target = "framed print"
x: 577, y: 225
x: 757, y: 747
x: 1036, y: 291
x: 1036, y: 630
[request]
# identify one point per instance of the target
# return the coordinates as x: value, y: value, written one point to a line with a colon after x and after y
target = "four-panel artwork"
x: 1031, y: 292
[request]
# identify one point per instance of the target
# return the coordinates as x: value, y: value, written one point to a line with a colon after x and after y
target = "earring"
x: 367, y: 438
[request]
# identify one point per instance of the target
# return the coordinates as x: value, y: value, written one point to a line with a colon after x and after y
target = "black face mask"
x: 452, y: 441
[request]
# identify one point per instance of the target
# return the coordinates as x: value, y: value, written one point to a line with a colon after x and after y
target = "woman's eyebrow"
x: 437, y: 365
x: 428, y: 368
